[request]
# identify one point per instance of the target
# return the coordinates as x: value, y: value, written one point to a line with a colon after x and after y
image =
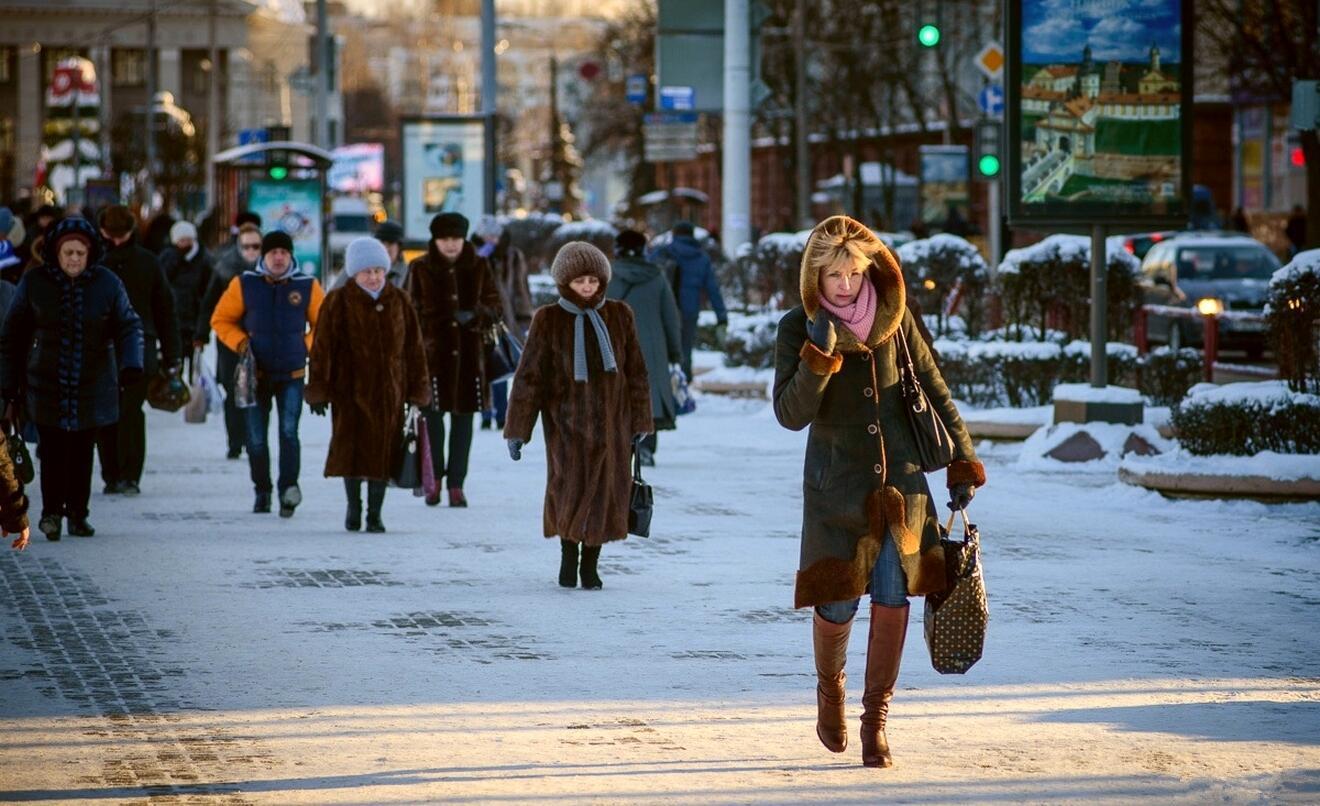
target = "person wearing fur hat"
x: 869, y: 521
x: 187, y: 266
x: 457, y: 300
x: 642, y: 285
x: 582, y: 372
x: 71, y: 341
x: 367, y: 361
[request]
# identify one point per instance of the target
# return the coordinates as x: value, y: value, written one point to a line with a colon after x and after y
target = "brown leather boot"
x: 830, y: 641
x: 884, y: 651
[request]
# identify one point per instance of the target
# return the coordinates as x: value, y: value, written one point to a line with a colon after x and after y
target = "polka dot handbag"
x: 956, y: 618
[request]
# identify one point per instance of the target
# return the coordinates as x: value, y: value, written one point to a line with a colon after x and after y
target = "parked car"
x: 1139, y: 243
x: 350, y: 219
x: 1232, y: 270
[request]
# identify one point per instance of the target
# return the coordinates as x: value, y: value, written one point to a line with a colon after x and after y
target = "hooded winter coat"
x: 455, y: 353
x: 862, y: 479
x: 693, y: 275
x: 642, y: 286
x: 189, y: 280
x: 367, y: 362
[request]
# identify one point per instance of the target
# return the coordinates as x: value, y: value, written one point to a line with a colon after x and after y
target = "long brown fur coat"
x: 367, y: 361
x: 588, y: 426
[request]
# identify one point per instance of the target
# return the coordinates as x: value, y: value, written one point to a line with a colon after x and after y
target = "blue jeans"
x: 288, y: 396
x: 888, y: 586
x: 499, y: 394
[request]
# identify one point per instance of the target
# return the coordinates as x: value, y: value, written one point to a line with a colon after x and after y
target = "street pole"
x: 322, y: 133
x: 1099, y: 310
x: 803, y: 156
x: 993, y: 225
x: 149, y: 187
x: 212, y: 106
x: 489, y: 87
x: 736, y: 182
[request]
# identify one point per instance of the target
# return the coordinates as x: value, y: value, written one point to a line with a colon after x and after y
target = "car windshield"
x: 1225, y: 262
x: 352, y: 222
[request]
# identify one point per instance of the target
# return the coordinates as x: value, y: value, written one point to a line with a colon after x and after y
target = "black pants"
x: 375, y: 494
x: 122, y: 446
x: 460, y: 445
x: 66, y: 470
x: 226, y: 363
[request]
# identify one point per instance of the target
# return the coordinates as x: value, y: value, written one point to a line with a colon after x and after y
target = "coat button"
x: 872, y: 429
x: 868, y: 391
x: 380, y: 307
x: 879, y: 469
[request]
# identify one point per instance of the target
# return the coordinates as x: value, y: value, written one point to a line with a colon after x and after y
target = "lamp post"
x: 1210, y: 309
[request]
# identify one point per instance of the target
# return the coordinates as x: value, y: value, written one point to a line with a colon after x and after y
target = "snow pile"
x: 1085, y: 393
x: 1111, y: 437
x: 1062, y: 248
x: 998, y: 350
x: 1266, y: 465
x: 1307, y: 262
x: 760, y: 379
x: 1114, y: 349
x: 1268, y: 396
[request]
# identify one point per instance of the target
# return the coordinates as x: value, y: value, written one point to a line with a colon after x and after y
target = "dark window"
x: 128, y: 68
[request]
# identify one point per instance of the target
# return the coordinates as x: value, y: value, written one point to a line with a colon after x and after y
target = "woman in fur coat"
x: 868, y: 518
x: 582, y: 371
x: 367, y: 361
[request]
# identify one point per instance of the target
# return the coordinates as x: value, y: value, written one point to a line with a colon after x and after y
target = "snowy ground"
x: 193, y: 652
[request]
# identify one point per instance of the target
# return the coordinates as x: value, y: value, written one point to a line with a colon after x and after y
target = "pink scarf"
x: 860, y: 315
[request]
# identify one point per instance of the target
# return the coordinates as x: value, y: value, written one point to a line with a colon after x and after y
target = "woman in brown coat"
x: 582, y: 371
x: 367, y: 361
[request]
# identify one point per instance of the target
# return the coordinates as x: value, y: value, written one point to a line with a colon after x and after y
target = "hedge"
x: 1243, y: 419
x: 1292, y: 313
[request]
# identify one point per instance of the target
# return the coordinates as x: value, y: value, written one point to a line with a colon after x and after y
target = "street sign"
x: 991, y: 100
x: 678, y: 99
x: 990, y: 61
x: 670, y: 136
x: 635, y: 89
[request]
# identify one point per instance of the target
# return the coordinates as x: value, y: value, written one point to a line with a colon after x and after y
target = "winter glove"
x: 515, y: 448
x: 822, y: 334
x: 960, y: 495
x: 319, y: 409
x: 721, y: 333
x: 464, y: 317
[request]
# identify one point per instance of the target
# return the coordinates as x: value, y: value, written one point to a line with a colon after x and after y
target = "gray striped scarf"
x: 579, y: 339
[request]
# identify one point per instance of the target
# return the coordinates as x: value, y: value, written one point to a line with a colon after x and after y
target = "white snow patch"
x: 1039, y: 415
x: 1266, y: 394
x: 1266, y: 464
x: 1085, y: 393
x: 947, y: 247
x: 1064, y: 248
x: 1307, y: 262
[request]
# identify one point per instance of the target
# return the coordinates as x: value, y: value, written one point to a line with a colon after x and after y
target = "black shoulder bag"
x: 642, y: 501
x: 934, y: 443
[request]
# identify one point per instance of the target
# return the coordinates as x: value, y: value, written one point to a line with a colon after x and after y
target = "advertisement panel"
x: 944, y: 191
x: 295, y: 207
x: 358, y: 168
x: 1099, y: 93
x: 443, y: 171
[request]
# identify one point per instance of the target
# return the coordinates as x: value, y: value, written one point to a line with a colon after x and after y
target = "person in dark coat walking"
x: 233, y: 262
x: 70, y: 342
x: 868, y: 519
x: 694, y: 275
x: 583, y: 374
x: 187, y: 266
x: 123, y: 444
x: 367, y: 361
x: 457, y: 299
x: 642, y: 285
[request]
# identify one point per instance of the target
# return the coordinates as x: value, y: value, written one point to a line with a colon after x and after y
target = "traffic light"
x: 987, y: 147
x: 277, y: 172
x: 928, y: 23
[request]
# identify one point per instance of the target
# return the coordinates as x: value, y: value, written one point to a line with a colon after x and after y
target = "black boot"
x: 353, y: 520
x: 375, y: 498
x: 79, y: 527
x: 590, y: 579
x: 568, y: 563
x: 261, y: 503
x: 50, y: 526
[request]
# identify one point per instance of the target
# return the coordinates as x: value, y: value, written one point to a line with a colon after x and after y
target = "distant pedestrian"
x: 13, y: 501
x: 510, y: 267
x: 187, y: 265
x: 1240, y: 223
x: 390, y: 235
x: 232, y: 262
x: 122, y: 445
x: 157, y: 236
x: 869, y: 520
x: 70, y: 342
x: 642, y: 286
x: 272, y: 312
x: 30, y: 250
x: 1296, y: 229
x: 367, y: 361
x: 693, y: 275
x: 583, y: 374
x: 11, y: 264
x: 457, y: 299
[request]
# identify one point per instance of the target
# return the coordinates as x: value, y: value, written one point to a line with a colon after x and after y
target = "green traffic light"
x: 278, y: 172
x: 928, y: 35
x: 988, y: 165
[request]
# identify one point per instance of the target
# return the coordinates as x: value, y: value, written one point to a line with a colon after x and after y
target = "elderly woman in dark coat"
x: 367, y: 362
x: 583, y: 373
x: 71, y: 340
x: 868, y: 520
x: 641, y: 284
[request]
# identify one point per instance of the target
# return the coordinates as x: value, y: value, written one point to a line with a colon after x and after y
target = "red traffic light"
x: 1298, y: 157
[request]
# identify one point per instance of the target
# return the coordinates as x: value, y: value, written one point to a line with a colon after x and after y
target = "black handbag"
x: 19, y: 455
x: 935, y: 450
x: 642, y: 501
x: 408, y: 470
x: 956, y: 618
x: 503, y: 351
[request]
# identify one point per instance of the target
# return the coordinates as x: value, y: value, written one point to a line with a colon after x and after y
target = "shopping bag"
x: 211, y: 388
x: 430, y: 485
x: 408, y: 470
x: 503, y: 350
x: 956, y: 617
x: 166, y: 391
x: 642, y: 501
x: 19, y: 455
x: 684, y: 402
x: 195, y: 411
x: 245, y: 380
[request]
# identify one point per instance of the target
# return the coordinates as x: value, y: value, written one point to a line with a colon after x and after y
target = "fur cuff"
x: 818, y: 362
x: 962, y: 471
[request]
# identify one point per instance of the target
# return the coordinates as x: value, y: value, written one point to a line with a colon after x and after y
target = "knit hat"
x: 6, y: 221
x: 182, y: 230
x: 449, y: 225
x: 246, y: 217
x: 629, y: 243
x: 488, y: 226
x: 578, y: 258
x: 389, y: 232
x: 72, y: 227
x: 276, y: 239
x: 365, y: 253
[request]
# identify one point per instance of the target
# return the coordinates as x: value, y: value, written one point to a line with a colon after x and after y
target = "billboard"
x: 1099, y: 93
x: 443, y: 171
x: 357, y: 168
x: 944, y: 190
x: 295, y: 207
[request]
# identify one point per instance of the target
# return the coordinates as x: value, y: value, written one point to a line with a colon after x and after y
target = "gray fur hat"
x: 577, y: 258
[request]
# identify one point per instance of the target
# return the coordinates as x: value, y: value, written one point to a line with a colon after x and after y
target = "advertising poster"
x: 1097, y: 95
x: 358, y: 168
x: 443, y: 171
x: 944, y: 190
x: 295, y: 207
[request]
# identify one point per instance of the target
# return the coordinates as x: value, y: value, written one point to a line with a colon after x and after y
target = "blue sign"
x: 250, y: 136
x: 991, y: 100
x: 678, y: 99
x: 636, y: 89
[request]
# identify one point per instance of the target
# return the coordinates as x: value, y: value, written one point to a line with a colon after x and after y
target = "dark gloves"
x: 821, y: 332
x: 960, y: 495
x: 515, y: 448
x: 464, y: 317
x: 129, y: 376
x: 319, y: 409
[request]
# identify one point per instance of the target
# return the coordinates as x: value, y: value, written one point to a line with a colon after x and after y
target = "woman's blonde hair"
x: 839, y: 238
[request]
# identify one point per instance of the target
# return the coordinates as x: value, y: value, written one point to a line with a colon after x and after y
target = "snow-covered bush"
x: 599, y: 234
x: 1165, y: 375
x: 751, y: 340
x: 1244, y: 419
x: 767, y: 271
x: 531, y: 234
x: 942, y: 265
x: 1293, y: 315
x: 1023, y: 373
x: 1050, y: 281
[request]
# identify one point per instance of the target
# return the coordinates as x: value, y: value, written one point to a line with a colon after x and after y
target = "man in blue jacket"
x: 692, y: 274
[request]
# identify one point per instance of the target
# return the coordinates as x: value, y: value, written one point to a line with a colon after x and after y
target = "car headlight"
x: 1209, y: 306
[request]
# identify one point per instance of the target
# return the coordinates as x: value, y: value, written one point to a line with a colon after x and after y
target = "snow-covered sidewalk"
x: 1139, y: 648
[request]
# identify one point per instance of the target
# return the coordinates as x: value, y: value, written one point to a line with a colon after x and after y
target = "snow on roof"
x: 1266, y: 394
x: 1066, y: 248
x: 968, y: 256
x: 1307, y: 262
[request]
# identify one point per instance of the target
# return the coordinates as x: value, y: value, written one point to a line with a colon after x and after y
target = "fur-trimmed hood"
x: 884, y: 273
